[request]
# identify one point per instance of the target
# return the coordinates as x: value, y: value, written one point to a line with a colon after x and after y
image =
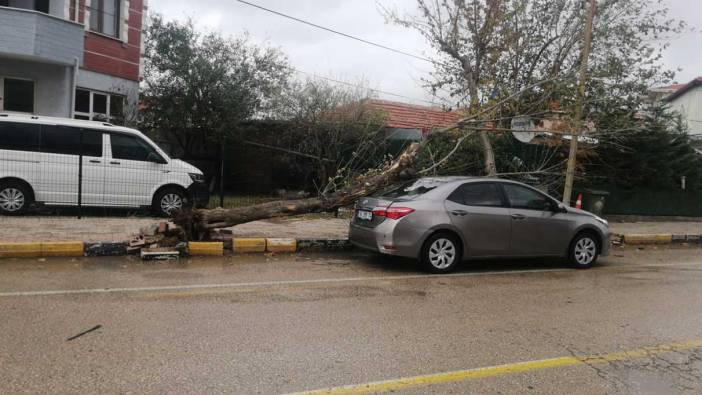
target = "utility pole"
x: 578, y: 124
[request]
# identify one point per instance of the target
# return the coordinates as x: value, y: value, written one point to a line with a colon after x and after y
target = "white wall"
x: 690, y: 106
x: 52, y: 85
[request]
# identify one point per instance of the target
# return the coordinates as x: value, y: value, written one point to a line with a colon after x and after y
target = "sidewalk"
x: 97, y: 229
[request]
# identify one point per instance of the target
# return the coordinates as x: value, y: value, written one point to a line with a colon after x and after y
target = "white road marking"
x: 187, y: 287
x: 267, y: 283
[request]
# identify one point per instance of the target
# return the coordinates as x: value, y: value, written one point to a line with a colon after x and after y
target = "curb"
x: 658, y: 239
x: 42, y: 249
x: 258, y: 245
x: 217, y: 248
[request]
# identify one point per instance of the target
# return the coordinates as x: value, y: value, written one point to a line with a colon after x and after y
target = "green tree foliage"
x: 656, y: 154
x: 334, y: 126
x: 198, y: 87
x: 490, y: 49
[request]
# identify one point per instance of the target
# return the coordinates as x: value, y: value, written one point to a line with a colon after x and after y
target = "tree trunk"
x: 199, y: 223
x: 488, y: 154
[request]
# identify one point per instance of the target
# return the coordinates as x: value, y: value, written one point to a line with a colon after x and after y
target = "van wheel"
x: 14, y: 198
x: 169, y: 200
x: 441, y: 253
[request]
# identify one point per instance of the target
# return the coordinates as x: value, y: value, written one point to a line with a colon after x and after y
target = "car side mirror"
x: 561, y: 208
x: 155, y: 158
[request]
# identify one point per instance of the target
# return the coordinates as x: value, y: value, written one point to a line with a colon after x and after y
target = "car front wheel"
x: 583, y: 251
x: 14, y: 198
x: 441, y: 253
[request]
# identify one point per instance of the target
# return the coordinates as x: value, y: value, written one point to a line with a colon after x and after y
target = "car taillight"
x: 392, y: 212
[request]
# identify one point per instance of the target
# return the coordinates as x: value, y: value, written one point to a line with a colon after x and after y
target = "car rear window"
x: 412, y: 189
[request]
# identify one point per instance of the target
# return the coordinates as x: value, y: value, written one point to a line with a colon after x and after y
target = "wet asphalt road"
x: 278, y: 324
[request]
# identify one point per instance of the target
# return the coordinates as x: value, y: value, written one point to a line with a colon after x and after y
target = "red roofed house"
x: 686, y: 99
x: 411, y: 122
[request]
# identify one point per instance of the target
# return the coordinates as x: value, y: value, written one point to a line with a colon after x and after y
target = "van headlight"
x: 197, y: 177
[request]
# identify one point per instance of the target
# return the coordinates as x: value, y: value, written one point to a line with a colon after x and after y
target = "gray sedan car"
x: 444, y: 220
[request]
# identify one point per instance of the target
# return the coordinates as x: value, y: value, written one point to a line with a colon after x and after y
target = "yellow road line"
x: 501, y: 370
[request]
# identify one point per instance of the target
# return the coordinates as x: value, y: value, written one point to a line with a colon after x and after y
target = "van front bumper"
x: 199, y: 194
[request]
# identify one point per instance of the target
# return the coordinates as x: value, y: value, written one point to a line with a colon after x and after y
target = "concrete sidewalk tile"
x: 254, y: 244
x: 281, y: 245
x: 639, y: 239
x: 20, y: 250
x: 214, y: 248
x: 62, y: 248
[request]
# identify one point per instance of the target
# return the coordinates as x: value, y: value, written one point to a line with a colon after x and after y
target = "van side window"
x: 129, y: 147
x: 57, y: 139
x: 92, y: 143
x: 19, y: 136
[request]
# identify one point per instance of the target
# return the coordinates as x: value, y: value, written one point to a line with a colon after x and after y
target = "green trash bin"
x: 594, y: 201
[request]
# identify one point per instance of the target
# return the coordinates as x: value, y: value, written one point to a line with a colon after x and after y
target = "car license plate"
x: 364, y: 215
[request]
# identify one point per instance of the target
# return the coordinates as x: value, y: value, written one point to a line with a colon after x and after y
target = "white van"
x: 39, y: 159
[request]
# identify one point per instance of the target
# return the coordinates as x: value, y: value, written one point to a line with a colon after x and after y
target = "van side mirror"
x: 155, y: 158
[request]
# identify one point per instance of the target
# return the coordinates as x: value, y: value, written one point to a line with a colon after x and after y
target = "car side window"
x: 477, y: 194
x: 19, y: 136
x: 129, y: 147
x: 525, y: 198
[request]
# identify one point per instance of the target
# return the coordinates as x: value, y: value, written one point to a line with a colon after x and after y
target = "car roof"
x: 42, y: 120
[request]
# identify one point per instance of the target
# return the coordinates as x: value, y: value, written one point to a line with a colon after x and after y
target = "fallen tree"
x: 198, y: 224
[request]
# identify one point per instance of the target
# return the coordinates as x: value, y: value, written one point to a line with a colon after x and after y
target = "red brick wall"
x: 113, y: 56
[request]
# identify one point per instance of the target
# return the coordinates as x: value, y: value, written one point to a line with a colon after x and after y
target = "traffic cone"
x: 579, y: 201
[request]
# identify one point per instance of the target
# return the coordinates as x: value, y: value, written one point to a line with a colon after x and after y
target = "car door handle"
x: 518, y: 217
x: 94, y: 161
x: 459, y: 212
x: 114, y: 163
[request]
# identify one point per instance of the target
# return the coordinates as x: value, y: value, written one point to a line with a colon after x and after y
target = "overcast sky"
x: 326, y: 54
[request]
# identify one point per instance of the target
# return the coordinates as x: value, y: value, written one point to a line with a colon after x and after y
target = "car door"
x: 130, y: 178
x: 538, y: 228
x: 480, y: 211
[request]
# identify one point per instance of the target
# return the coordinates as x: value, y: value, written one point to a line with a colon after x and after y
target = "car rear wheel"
x: 584, y: 251
x: 14, y: 198
x: 441, y: 253
x: 169, y: 200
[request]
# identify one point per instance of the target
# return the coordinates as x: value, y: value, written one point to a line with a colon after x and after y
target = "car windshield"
x: 412, y: 189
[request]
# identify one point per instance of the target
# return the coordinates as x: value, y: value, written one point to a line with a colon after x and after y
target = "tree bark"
x: 488, y: 154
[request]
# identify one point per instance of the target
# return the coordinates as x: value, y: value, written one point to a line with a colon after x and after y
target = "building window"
x: 104, y: 17
x: 36, y: 5
x: 16, y: 95
x: 99, y: 106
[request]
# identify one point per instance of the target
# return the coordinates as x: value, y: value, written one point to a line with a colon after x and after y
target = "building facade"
x: 71, y: 58
x: 686, y: 100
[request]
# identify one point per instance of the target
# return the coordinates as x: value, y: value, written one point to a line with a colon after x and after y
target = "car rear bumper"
x: 199, y: 194
x: 380, y: 239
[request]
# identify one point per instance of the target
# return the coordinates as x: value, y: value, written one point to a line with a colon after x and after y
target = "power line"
x: 401, y: 52
x: 370, y: 89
